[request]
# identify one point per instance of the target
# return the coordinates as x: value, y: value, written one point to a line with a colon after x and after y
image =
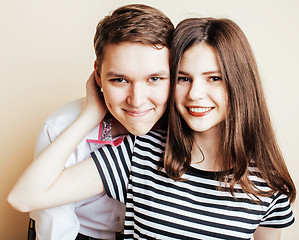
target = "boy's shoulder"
x: 66, y: 113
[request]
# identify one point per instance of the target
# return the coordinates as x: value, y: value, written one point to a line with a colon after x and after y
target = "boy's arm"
x: 44, y: 183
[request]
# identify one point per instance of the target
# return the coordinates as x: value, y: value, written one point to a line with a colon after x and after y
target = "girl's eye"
x: 184, y: 79
x: 215, y: 78
x: 155, y: 79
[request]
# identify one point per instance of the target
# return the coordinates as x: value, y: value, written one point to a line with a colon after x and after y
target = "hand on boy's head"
x: 94, y: 97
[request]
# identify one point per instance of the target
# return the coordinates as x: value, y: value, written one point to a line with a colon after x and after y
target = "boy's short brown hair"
x: 133, y: 23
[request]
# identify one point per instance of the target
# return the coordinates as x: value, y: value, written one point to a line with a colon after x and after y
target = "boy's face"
x: 135, y: 80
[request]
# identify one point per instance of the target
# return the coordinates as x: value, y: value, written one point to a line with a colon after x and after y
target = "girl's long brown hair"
x: 247, y: 132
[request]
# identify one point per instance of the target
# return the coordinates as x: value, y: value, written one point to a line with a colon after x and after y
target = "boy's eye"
x: 155, y: 79
x: 118, y: 80
x: 184, y: 79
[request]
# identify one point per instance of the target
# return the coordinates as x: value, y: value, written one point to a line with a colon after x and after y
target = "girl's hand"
x: 95, y: 104
x: 265, y: 233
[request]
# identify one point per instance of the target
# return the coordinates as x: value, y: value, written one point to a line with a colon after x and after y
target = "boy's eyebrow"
x: 114, y: 74
x: 119, y: 75
x: 160, y: 73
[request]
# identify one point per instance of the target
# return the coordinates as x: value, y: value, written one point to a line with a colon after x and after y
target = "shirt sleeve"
x: 279, y: 214
x: 59, y: 222
x: 56, y: 223
x: 45, y: 137
x: 114, y: 166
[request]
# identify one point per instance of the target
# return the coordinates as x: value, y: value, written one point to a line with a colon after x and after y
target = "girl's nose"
x: 197, y: 89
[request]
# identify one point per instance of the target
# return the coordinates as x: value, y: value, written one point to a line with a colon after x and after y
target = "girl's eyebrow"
x: 211, y: 72
x: 183, y: 73
x: 204, y: 73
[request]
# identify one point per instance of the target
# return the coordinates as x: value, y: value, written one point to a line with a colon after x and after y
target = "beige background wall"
x: 46, y: 54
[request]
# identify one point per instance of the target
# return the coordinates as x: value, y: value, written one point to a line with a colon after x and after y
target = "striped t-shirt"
x: 158, y: 207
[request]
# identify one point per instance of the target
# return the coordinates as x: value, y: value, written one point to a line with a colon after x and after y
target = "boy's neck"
x: 117, y: 128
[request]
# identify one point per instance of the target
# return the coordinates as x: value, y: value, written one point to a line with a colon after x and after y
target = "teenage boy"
x: 132, y: 71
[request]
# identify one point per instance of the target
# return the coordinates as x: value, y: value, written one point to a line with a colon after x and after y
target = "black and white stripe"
x: 118, y: 171
x: 160, y: 208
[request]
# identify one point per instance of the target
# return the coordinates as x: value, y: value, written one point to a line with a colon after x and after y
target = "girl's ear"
x: 96, y: 74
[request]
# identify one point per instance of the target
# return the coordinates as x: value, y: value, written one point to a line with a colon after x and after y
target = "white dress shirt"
x: 98, y: 216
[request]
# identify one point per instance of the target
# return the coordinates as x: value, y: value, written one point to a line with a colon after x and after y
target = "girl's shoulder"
x: 154, y: 137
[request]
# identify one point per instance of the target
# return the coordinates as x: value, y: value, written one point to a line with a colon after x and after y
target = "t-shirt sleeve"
x: 279, y: 214
x: 114, y: 166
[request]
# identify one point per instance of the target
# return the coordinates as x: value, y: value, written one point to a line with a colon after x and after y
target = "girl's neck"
x: 205, y: 151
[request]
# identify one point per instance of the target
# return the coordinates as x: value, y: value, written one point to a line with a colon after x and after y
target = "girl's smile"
x: 199, y: 111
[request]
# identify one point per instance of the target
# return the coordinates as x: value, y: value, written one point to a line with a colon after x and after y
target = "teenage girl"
x: 221, y: 174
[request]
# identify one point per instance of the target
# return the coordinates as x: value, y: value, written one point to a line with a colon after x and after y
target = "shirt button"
x: 117, y: 219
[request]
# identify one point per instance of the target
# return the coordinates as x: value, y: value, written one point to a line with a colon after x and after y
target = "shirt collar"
x: 105, y: 133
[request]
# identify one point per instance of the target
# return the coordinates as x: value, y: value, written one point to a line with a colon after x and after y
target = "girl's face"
x: 201, y: 95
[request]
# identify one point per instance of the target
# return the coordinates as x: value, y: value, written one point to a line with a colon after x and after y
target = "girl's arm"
x: 264, y: 233
x: 44, y: 183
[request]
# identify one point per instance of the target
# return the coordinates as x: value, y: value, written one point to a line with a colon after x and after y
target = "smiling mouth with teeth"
x: 199, y: 111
